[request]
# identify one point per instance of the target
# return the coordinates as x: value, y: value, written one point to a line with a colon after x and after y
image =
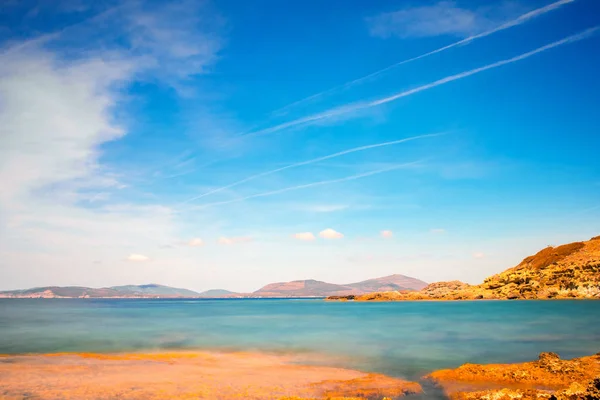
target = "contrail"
x: 515, y: 22
x: 298, y: 187
x: 314, y: 160
x: 360, y: 106
x: 47, y: 37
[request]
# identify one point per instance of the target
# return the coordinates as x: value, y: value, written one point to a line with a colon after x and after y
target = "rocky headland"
x: 570, y: 271
x: 246, y: 375
x: 549, y: 378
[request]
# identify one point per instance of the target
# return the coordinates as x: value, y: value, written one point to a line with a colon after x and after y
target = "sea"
x: 403, y: 339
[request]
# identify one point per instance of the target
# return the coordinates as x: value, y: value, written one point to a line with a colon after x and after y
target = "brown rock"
x: 548, y: 376
x: 579, y: 391
x: 564, y: 272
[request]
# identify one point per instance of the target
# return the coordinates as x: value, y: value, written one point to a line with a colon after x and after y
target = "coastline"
x: 187, y: 375
x: 257, y: 375
x: 343, y: 299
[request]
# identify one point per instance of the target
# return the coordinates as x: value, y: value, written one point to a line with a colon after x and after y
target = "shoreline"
x: 343, y: 300
x: 187, y: 375
x: 324, y: 298
x: 203, y: 374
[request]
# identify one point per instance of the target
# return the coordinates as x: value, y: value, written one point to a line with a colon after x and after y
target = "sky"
x: 229, y: 144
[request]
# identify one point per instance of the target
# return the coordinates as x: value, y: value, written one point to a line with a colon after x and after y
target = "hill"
x: 218, y: 293
x: 154, y: 289
x: 568, y: 271
x: 391, y: 282
x: 301, y: 288
x: 312, y: 287
x: 142, y: 291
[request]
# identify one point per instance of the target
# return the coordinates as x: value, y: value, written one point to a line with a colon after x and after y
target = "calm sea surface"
x: 404, y: 339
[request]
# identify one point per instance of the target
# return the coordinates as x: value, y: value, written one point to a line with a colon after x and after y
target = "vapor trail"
x: 314, y: 160
x: 360, y: 106
x: 515, y: 22
x: 298, y: 187
x: 47, y: 37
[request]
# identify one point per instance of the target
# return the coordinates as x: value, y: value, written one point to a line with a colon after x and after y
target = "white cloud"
x: 53, y: 117
x: 137, y: 258
x: 177, y: 37
x: 234, y: 240
x: 478, y: 255
x: 387, y: 234
x: 306, y: 236
x: 61, y: 207
x: 437, y: 231
x: 330, y: 234
x: 196, y: 242
x: 443, y: 18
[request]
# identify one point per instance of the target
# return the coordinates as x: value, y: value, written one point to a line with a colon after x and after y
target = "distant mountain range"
x: 217, y: 293
x: 143, y: 291
x: 303, y: 288
x: 317, y: 288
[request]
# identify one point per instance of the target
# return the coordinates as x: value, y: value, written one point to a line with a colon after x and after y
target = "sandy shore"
x: 186, y: 375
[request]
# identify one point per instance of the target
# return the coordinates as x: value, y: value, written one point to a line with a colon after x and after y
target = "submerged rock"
x: 188, y: 375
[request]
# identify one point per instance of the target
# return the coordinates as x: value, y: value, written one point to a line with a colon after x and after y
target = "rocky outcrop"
x: 549, y: 377
x: 563, y: 272
x: 568, y: 271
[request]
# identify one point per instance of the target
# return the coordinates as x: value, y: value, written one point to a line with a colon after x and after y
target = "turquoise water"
x: 406, y: 339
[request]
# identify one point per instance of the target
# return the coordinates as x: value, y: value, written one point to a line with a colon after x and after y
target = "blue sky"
x: 220, y: 144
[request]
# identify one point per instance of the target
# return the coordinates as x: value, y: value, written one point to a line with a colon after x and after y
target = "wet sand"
x: 186, y: 375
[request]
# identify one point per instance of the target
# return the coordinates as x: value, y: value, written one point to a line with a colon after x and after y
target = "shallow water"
x: 406, y: 339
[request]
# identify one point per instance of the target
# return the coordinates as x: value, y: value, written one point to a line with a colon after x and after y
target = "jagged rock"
x: 579, y: 391
x: 549, y: 377
x: 564, y: 272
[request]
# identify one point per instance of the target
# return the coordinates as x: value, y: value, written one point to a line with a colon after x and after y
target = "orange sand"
x: 186, y: 375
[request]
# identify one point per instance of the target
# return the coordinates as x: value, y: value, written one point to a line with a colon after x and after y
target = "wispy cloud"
x: 305, y: 236
x: 308, y: 162
x: 443, y: 18
x: 355, y: 107
x: 169, y: 42
x: 234, y: 240
x: 309, y: 185
x: 177, y: 37
x: 478, y: 255
x: 509, y: 24
x: 59, y: 144
x: 437, y: 231
x: 62, y: 102
x: 330, y: 234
